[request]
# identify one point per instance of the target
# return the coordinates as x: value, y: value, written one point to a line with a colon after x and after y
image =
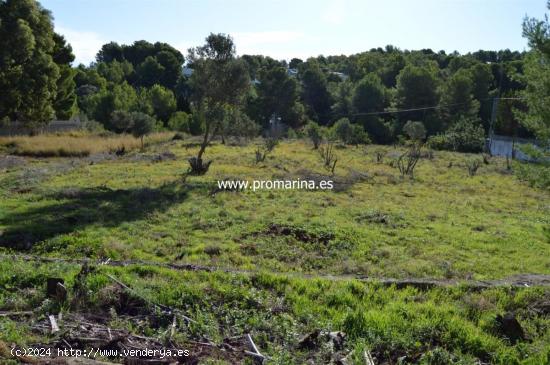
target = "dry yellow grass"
x: 75, y: 144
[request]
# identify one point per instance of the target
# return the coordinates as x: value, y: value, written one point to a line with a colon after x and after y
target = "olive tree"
x: 142, y: 125
x: 220, y: 81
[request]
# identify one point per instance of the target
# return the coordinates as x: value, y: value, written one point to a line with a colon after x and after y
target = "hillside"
x: 291, y: 261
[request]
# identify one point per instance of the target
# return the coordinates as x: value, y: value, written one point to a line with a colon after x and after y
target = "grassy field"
x: 74, y: 144
x: 442, y: 224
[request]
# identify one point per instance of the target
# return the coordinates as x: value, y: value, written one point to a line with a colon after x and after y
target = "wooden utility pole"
x: 495, y: 108
x: 492, y: 124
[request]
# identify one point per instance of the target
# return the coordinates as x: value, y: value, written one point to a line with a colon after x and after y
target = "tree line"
x: 377, y: 91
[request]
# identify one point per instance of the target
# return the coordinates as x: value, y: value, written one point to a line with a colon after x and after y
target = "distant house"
x: 292, y: 72
x: 341, y: 75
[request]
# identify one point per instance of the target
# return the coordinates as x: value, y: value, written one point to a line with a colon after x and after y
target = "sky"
x: 284, y: 29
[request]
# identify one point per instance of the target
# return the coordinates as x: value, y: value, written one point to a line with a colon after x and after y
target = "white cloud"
x: 85, y: 44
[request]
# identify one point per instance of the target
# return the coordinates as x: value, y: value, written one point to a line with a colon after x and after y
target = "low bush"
x: 314, y: 132
x: 536, y: 175
x: 91, y: 126
x: 350, y: 133
x: 415, y: 130
x: 326, y: 150
x: 196, y: 124
x: 473, y: 166
x: 406, y: 163
x: 180, y: 122
x: 142, y: 125
x: 343, y: 130
x: 359, y: 135
x: 121, y: 121
x: 239, y: 125
x: 291, y: 134
x: 264, y: 150
x: 466, y: 135
x: 329, y: 157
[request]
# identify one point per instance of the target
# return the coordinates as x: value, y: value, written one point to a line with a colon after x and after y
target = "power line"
x: 406, y: 110
x: 427, y: 107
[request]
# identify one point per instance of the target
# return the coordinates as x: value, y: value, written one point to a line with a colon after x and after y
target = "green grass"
x: 453, y: 323
x: 442, y: 224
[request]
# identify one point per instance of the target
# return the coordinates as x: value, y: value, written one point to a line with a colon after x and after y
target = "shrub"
x: 93, y: 127
x: 343, y: 130
x: 359, y: 135
x: 350, y: 133
x: 179, y: 122
x: 178, y: 137
x: 238, y: 124
x: 196, y: 124
x: 408, y: 160
x: 268, y: 147
x: 379, y: 156
x: 437, y: 356
x: 142, y: 125
x: 313, y: 132
x: 415, y: 130
x: 197, y: 166
x: 440, y: 142
x: 4, y: 122
x: 536, y: 153
x: 466, y: 135
x: 121, y: 121
x: 291, y: 134
x: 535, y: 174
x: 326, y: 150
x: 379, y: 131
x: 473, y: 166
x: 329, y: 157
